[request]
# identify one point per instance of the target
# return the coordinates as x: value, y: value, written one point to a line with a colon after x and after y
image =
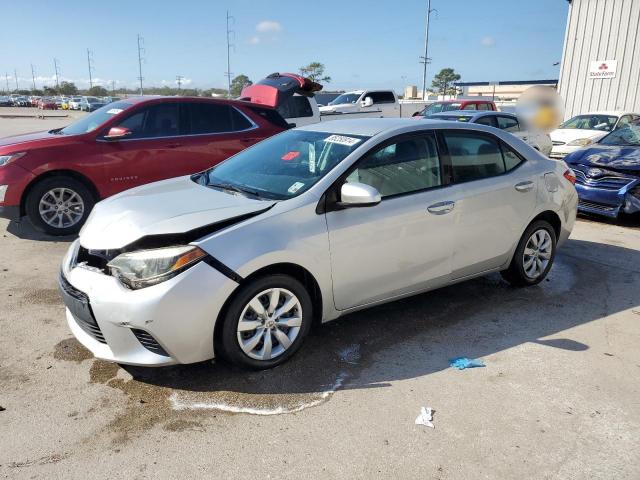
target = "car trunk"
x: 275, y: 89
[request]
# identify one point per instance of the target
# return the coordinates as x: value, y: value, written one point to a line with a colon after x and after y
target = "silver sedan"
x: 238, y: 261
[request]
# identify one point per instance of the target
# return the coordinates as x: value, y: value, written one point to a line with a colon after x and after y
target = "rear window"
x: 296, y: 107
x: 381, y: 97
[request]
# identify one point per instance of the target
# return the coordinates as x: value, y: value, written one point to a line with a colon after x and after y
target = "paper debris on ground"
x: 425, y: 418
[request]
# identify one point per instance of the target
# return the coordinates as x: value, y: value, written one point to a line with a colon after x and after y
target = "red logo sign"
x: 603, y: 67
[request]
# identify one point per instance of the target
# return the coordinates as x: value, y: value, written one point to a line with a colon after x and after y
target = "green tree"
x: 238, y: 83
x: 443, y: 82
x: 49, y: 91
x: 97, y: 91
x: 315, y: 72
x: 68, y: 88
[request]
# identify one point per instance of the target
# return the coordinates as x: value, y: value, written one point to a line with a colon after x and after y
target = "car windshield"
x: 627, y: 135
x: 438, y: 107
x: 591, y: 122
x: 94, y: 120
x: 345, y: 98
x: 282, y: 166
x: 454, y: 118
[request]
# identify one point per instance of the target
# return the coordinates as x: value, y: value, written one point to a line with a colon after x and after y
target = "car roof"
x: 615, y: 113
x: 471, y: 113
x: 160, y: 98
x: 369, y: 127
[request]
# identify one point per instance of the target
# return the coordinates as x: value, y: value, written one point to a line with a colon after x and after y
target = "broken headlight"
x: 144, y: 268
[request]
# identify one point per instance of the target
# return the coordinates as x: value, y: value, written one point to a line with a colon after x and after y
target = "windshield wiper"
x: 235, y: 188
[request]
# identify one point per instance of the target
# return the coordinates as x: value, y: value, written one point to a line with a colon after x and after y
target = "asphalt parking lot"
x: 558, y: 398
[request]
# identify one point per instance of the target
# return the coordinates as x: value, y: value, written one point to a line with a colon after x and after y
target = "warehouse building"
x: 600, y: 67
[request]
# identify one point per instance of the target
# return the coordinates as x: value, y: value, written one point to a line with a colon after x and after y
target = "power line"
x: 55, y: 66
x: 33, y: 76
x: 90, y: 65
x: 140, y: 58
x: 229, y: 45
x: 179, y: 79
x: 425, y: 58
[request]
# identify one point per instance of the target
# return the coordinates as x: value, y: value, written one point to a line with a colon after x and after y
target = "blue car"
x: 608, y: 173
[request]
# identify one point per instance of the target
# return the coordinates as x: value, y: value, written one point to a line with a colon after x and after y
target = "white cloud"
x: 254, y: 40
x: 488, y: 41
x: 268, y: 26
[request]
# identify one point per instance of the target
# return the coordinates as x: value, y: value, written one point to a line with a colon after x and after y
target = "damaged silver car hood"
x: 168, y: 207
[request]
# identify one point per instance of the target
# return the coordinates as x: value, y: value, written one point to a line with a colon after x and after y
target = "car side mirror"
x: 291, y: 125
x: 358, y: 195
x: 117, y: 133
x: 367, y: 102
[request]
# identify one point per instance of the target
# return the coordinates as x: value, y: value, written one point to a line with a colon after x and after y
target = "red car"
x: 457, y: 104
x: 47, y: 104
x: 55, y: 177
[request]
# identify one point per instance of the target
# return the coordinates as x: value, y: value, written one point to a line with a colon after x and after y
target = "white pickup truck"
x: 373, y: 103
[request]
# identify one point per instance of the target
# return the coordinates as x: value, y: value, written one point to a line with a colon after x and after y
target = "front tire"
x: 266, y: 322
x: 533, y: 257
x: 59, y: 205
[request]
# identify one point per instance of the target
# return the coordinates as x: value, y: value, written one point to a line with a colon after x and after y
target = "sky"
x: 363, y: 44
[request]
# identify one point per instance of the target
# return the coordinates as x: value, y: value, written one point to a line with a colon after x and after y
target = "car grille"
x: 558, y: 142
x: 78, y: 304
x: 609, y: 181
x: 596, y: 206
x: 148, y: 342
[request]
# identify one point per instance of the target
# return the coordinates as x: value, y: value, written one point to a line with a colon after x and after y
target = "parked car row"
x: 83, y: 103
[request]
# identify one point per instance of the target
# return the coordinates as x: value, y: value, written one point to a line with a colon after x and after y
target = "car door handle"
x: 441, y: 208
x: 524, y: 139
x: 524, y: 186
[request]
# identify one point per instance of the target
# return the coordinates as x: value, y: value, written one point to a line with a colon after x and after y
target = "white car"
x: 585, y: 129
x: 309, y: 225
x: 74, y: 103
x: 364, y: 103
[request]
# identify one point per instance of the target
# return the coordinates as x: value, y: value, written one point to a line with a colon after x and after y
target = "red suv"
x: 55, y: 177
x: 458, y: 104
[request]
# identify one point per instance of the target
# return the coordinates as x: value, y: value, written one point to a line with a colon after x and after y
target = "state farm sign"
x: 603, y: 69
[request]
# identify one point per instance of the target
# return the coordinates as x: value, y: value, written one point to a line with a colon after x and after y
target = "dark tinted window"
x: 482, y: 106
x: 473, y: 157
x: 214, y: 118
x: 508, y: 124
x: 382, y: 97
x: 407, y: 166
x: 272, y: 116
x: 487, y: 120
x: 295, y: 107
x: 470, y: 106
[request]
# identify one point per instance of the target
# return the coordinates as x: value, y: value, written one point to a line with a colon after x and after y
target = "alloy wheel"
x: 61, y: 207
x: 537, y: 253
x: 269, y: 323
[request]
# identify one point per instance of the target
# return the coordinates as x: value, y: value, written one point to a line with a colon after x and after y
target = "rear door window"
x: 470, y: 106
x: 473, y: 156
x: 508, y: 124
x: 488, y: 120
x: 210, y: 118
x: 483, y: 106
x: 381, y: 97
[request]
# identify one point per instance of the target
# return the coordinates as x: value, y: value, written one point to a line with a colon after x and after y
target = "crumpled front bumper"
x: 179, y: 314
x: 609, y: 203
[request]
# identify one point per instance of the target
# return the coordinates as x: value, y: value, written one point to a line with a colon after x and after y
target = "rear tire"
x: 59, y: 205
x: 266, y: 322
x: 533, y: 257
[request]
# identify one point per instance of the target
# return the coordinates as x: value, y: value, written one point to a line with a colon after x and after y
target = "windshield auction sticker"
x: 114, y: 111
x: 295, y: 187
x: 342, y: 140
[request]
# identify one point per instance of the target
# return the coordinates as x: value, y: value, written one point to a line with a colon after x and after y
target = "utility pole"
x: 113, y: 88
x: 33, y: 76
x: 229, y: 45
x: 55, y: 66
x: 90, y: 65
x: 140, y: 51
x: 425, y: 59
x: 6, y: 77
x: 179, y: 79
x: 15, y: 74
